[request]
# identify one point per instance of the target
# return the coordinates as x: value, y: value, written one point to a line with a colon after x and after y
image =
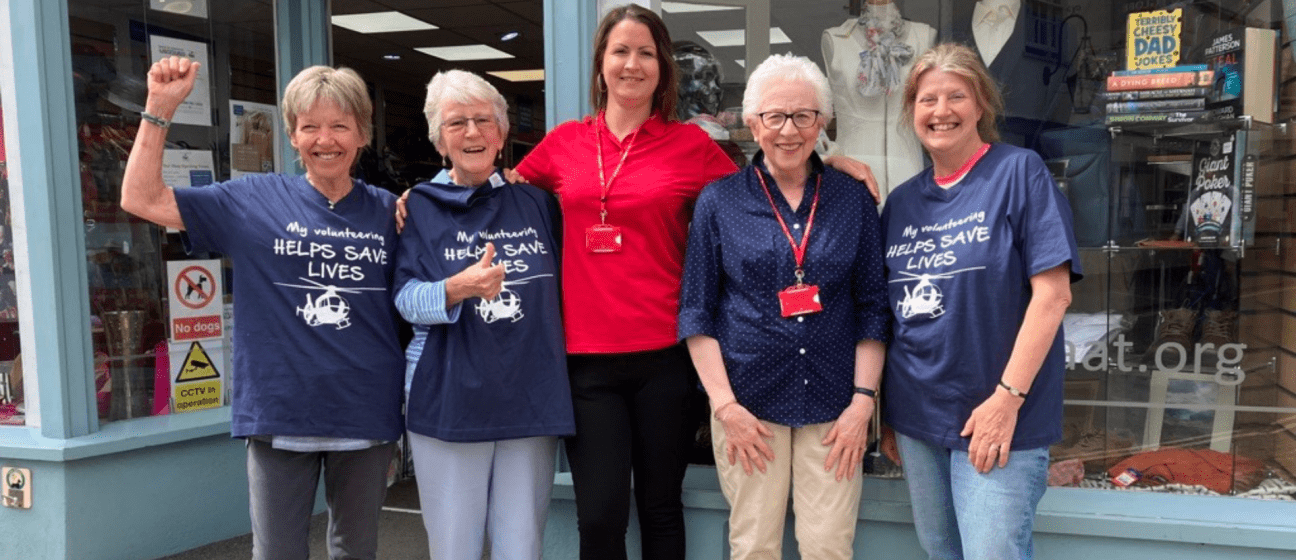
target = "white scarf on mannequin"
x: 885, y: 53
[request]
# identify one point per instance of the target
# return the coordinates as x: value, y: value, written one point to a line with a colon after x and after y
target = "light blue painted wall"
x: 1072, y: 524
x: 304, y: 40
x: 45, y: 189
x: 165, y: 499
x: 40, y: 532
x: 569, y: 26
x: 142, y: 504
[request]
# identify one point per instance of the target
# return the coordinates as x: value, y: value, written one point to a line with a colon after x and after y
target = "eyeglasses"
x: 800, y: 119
x: 459, y: 126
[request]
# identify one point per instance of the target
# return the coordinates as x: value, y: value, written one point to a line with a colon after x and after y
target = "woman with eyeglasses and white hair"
x: 784, y: 313
x: 477, y: 276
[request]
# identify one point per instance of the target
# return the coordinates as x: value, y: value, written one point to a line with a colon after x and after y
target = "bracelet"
x: 156, y: 120
x: 870, y: 393
x: 1012, y: 390
x: 716, y: 412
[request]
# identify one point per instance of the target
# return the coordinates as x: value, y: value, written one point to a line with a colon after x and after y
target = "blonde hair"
x: 964, y: 62
x: 339, y: 85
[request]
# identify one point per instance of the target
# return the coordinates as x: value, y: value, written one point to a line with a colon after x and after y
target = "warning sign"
x: 197, y: 382
x: 196, y: 304
x: 198, y: 396
x: 195, y: 286
x: 197, y: 366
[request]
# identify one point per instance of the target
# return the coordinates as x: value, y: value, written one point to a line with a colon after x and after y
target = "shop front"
x: 1181, y: 355
x: 115, y: 342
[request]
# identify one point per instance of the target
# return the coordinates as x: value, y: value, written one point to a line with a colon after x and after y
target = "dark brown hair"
x: 665, y: 96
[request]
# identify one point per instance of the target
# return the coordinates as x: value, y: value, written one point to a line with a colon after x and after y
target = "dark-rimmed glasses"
x: 800, y: 119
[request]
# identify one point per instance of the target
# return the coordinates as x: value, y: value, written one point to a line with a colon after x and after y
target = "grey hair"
x: 341, y: 85
x: 461, y: 87
x: 786, y: 68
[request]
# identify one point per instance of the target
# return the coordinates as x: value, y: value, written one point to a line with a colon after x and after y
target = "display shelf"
x: 1197, y: 129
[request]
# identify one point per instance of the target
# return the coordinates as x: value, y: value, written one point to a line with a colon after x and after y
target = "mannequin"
x: 993, y: 22
x: 997, y: 29
x: 866, y: 60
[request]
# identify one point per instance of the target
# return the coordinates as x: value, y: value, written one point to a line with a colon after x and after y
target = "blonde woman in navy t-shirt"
x: 317, y: 363
x: 980, y: 254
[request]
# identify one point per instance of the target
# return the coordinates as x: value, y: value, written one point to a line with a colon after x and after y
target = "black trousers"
x: 632, y: 419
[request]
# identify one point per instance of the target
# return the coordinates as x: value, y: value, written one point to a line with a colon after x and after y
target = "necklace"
x: 947, y: 180
x: 331, y: 203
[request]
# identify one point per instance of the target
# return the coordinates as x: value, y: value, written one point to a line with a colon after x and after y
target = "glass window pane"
x: 142, y: 302
x: 1180, y: 335
x: 13, y: 409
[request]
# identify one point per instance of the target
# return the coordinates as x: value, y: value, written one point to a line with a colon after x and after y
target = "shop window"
x: 1181, y: 339
x: 13, y: 410
x: 160, y: 319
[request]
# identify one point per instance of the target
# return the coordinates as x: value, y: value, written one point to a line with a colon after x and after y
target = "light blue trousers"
x: 469, y: 490
x: 961, y: 514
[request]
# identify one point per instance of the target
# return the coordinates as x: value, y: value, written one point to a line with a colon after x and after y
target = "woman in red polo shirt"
x: 627, y: 178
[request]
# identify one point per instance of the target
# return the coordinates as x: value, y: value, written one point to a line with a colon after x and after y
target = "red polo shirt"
x: 626, y: 301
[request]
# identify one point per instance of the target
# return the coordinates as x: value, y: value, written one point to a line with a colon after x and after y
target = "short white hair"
x: 461, y: 87
x: 786, y: 68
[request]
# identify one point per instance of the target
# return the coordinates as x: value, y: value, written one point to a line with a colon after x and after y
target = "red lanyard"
x: 605, y: 184
x: 798, y: 251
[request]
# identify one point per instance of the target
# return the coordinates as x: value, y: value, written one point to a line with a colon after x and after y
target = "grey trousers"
x: 281, y: 491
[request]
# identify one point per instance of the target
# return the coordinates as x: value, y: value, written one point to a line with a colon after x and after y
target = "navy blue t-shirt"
x: 500, y: 370
x: 959, y: 263
x: 315, y: 348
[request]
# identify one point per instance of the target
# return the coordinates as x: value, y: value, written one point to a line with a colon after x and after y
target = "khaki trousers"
x: 826, y: 510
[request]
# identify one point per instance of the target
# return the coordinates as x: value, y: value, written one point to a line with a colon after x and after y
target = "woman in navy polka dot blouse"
x: 784, y: 312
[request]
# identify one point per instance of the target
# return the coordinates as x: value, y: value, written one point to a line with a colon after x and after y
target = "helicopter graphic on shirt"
x: 328, y: 308
x: 507, y: 304
x: 925, y: 297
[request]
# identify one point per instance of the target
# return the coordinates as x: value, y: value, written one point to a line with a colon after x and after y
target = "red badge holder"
x: 801, y: 299
x: 603, y: 238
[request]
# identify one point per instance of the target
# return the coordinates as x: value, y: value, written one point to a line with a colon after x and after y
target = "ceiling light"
x: 381, y: 22
x: 195, y: 8
x: 511, y: 35
x: 391, y: 57
x: 738, y: 37
x: 681, y: 7
x: 536, y: 75
x: 465, y: 52
x: 178, y: 7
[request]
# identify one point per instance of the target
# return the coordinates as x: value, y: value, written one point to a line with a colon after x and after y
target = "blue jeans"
x: 962, y: 514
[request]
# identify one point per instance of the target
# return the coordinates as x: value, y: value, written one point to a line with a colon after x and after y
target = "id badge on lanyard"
x: 800, y: 298
x: 604, y: 237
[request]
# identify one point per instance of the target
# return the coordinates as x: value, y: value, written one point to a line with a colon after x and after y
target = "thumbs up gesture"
x: 481, y: 279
